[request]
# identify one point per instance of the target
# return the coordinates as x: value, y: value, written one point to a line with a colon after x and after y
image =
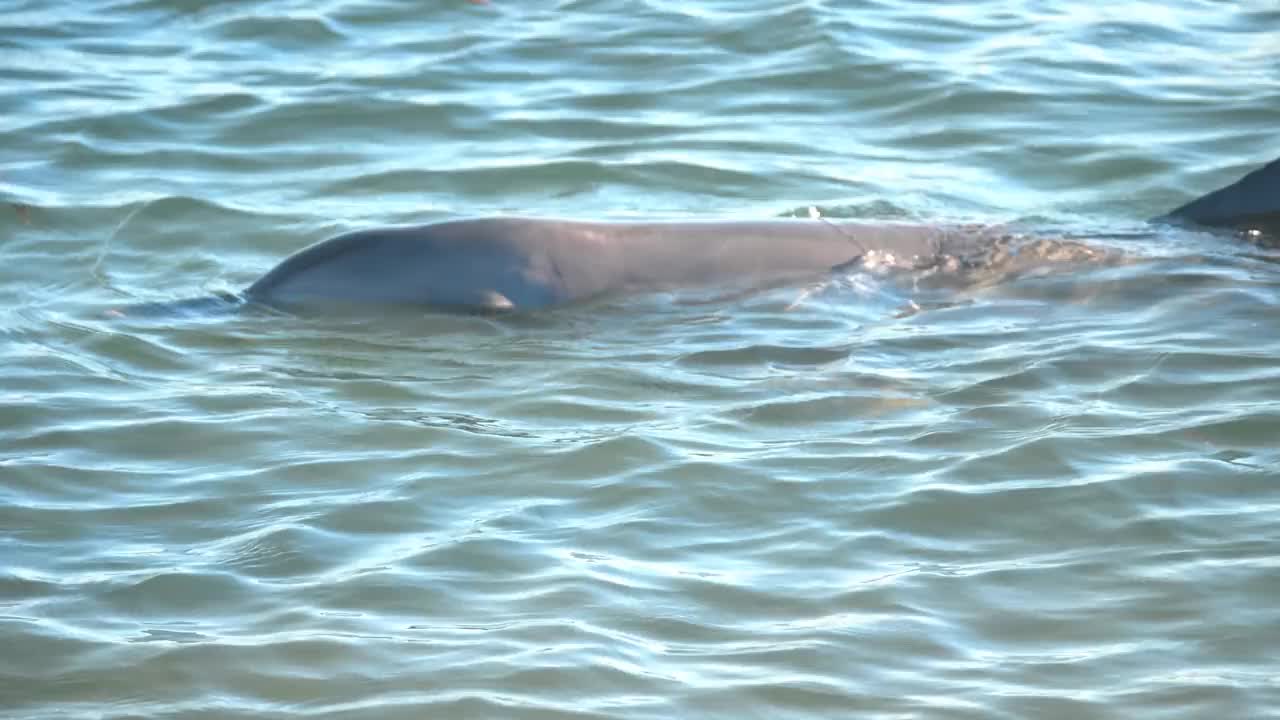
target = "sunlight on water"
x: 1041, y: 485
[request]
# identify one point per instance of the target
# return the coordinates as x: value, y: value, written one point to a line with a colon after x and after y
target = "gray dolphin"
x: 529, y: 263
x: 1250, y: 203
x: 511, y: 263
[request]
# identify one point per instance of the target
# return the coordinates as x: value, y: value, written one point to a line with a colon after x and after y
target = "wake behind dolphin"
x: 505, y: 264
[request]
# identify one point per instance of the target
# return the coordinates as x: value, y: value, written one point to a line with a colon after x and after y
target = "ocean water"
x: 1043, y: 495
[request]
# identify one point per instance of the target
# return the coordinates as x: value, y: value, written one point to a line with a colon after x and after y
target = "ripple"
x: 177, y: 595
x: 1036, y: 494
x: 281, y: 32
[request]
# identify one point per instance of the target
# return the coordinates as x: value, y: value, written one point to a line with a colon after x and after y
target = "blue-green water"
x: 1047, y: 496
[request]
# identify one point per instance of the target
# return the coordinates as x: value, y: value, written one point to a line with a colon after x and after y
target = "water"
x: 1048, y: 496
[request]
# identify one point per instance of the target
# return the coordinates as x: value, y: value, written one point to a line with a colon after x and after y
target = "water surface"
x: 1051, y: 496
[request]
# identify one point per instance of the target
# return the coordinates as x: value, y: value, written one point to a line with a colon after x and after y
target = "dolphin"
x: 1251, y: 203
x: 517, y: 264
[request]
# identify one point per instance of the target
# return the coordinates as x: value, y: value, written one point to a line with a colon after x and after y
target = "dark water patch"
x: 279, y: 32
x: 177, y: 595
x: 769, y: 355
x: 282, y: 553
x: 15, y: 589
x: 355, y: 119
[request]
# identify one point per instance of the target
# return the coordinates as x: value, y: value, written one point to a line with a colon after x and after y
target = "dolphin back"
x: 1250, y: 203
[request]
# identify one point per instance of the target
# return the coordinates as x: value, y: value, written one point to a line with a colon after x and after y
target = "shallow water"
x: 1052, y: 496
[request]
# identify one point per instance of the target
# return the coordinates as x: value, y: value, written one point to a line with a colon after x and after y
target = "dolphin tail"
x: 1250, y: 203
x: 212, y: 305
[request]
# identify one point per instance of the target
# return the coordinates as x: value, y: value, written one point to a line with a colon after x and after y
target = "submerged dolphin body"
x: 525, y: 263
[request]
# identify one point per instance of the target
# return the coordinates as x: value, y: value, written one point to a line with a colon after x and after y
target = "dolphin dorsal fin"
x: 1252, y: 202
